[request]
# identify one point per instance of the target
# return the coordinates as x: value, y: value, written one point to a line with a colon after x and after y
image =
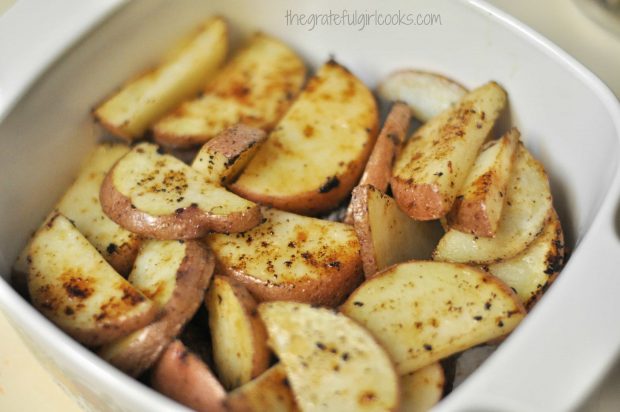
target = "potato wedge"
x: 292, y: 257
x: 255, y: 88
x: 423, y: 311
x: 332, y: 363
x: 132, y: 110
x: 271, y: 392
x: 528, y: 203
x: 436, y: 160
x: 159, y: 196
x: 478, y: 207
x: 532, y: 271
x: 81, y: 205
x: 316, y: 154
x: 423, y: 388
x: 238, y: 337
x: 182, y: 376
x: 386, y: 234
x: 426, y: 93
x: 378, y: 170
x: 221, y: 159
x: 174, y: 275
x: 71, y: 284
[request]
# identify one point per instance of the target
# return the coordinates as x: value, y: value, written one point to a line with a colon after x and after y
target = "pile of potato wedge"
x: 308, y: 256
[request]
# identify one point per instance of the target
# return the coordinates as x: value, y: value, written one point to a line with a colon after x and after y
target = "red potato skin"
x: 236, y: 140
x: 327, y: 291
x: 419, y: 201
x: 378, y: 169
x: 193, y: 277
x: 182, y: 376
x: 188, y: 223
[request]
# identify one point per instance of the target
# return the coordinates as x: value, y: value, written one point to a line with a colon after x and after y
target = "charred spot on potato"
x: 112, y: 248
x: 77, y: 287
x: 358, y: 303
x: 428, y: 347
x: 331, y: 183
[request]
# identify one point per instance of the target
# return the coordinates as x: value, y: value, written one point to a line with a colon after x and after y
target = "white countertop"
x: 26, y: 386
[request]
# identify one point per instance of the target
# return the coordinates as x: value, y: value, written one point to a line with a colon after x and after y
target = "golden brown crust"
x: 186, y: 223
x: 420, y: 201
x: 182, y: 376
x: 138, y: 351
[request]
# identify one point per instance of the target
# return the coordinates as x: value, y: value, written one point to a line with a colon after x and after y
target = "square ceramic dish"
x: 568, y: 118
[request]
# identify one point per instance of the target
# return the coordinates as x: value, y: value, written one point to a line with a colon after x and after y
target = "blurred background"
x: 589, y: 30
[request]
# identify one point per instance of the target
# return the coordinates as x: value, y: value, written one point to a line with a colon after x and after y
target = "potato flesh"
x: 436, y: 160
x: 479, y: 205
x: 427, y: 94
x: 161, y: 184
x: 423, y: 388
x: 255, y: 88
x: 174, y: 275
x: 81, y: 204
x: 528, y: 203
x: 325, y: 131
x: 530, y: 272
x: 142, y: 101
x: 268, y: 392
x: 71, y: 284
x: 325, y: 354
x: 239, y: 352
x: 422, y: 311
x: 387, y: 235
x: 155, y: 269
x: 287, y: 248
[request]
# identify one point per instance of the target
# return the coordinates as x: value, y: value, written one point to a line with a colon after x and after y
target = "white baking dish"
x: 567, y: 117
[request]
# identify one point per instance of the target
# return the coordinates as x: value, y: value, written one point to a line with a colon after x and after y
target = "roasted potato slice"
x: 378, y: 169
x: 426, y: 93
x: 316, y: 154
x: 238, y: 336
x: 532, y: 271
x: 81, y: 205
x: 528, y: 203
x: 292, y: 257
x: 270, y: 391
x: 478, y: 207
x: 184, y: 377
x: 436, y: 160
x: 386, y: 234
x: 221, y: 159
x: 423, y: 311
x: 138, y: 104
x: 173, y: 274
x: 423, y: 388
x: 159, y: 196
x: 325, y: 355
x: 71, y: 284
x: 255, y: 88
